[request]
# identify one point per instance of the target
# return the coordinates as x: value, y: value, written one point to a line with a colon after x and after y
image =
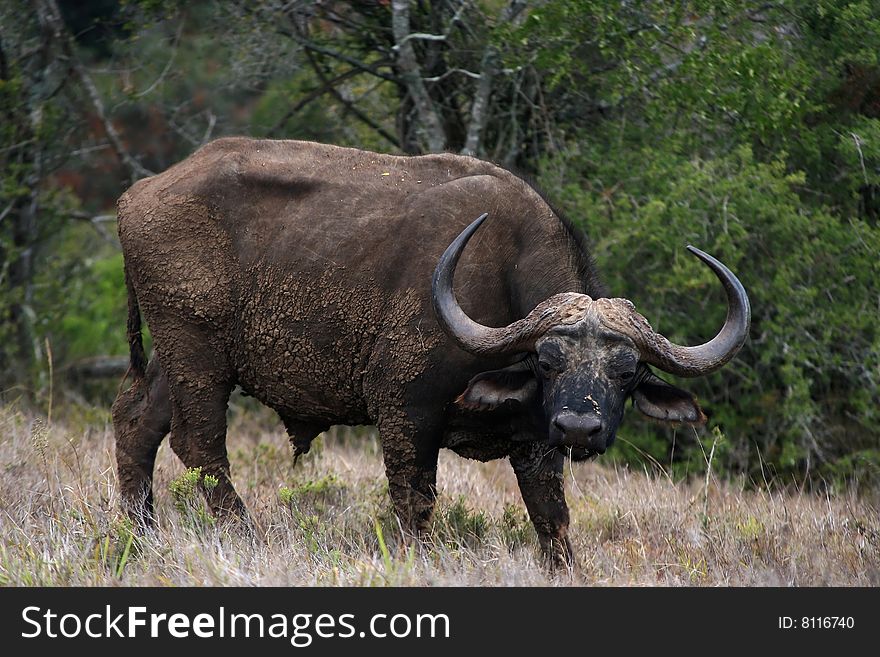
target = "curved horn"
x: 473, y: 336
x: 708, y: 357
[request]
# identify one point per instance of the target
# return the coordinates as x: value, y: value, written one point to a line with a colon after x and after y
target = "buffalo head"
x: 586, y: 357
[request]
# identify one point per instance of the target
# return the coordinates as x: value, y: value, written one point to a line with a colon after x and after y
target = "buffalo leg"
x: 141, y: 419
x: 539, y: 472
x: 199, y: 398
x: 410, y: 458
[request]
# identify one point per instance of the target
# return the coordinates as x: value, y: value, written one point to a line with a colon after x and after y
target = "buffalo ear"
x: 663, y: 401
x: 488, y: 390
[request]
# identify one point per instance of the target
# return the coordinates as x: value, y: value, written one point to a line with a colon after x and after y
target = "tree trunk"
x: 21, y: 273
x: 430, y: 124
x: 22, y: 164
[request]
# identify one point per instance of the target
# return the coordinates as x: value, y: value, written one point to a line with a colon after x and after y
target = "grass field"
x: 328, y: 521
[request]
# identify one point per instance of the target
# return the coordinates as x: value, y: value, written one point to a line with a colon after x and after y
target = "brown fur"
x: 302, y: 272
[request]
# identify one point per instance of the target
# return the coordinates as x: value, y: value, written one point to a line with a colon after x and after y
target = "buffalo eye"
x: 547, y: 368
x: 551, y: 360
x: 623, y: 368
x: 627, y: 376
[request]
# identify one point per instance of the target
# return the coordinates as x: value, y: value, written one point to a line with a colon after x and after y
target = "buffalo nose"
x: 580, y: 430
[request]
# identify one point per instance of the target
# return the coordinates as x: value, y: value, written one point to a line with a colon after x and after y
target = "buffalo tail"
x: 138, y: 362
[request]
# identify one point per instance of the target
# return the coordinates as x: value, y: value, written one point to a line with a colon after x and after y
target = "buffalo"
x: 302, y: 272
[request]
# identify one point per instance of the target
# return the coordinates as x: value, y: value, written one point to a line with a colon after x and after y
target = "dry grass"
x: 328, y: 522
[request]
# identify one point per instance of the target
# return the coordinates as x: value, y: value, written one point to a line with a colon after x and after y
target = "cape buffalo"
x: 303, y: 273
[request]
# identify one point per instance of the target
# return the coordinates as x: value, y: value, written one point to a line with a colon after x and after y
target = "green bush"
x: 804, y: 389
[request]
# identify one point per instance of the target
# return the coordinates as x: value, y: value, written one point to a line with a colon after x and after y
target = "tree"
x: 30, y: 85
x: 43, y: 85
x: 749, y: 128
x: 439, y: 63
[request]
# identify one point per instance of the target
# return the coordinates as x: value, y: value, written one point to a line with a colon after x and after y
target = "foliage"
x: 804, y: 387
x: 753, y: 165
x: 457, y: 525
x: 185, y: 491
x: 313, y: 494
x: 749, y: 129
x: 33, y: 125
x: 83, y: 315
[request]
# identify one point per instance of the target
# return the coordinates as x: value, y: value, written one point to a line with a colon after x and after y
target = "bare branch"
x: 418, y: 35
x: 488, y: 70
x: 311, y: 96
x: 310, y: 45
x: 97, y: 367
x: 212, y: 121
x: 95, y: 219
x: 453, y: 71
x: 97, y: 222
x: 4, y: 64
x: 7, y: 210
x: 344, y: 19
x: 86, y: 150
x: 50, y: 18
x: 179, y: 128
x: 167, y: 68
x: 457, y: 16
x: 349, y: 106
x: 411, y: 75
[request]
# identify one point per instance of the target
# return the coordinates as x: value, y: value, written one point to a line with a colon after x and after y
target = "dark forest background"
x: 750, y: 129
